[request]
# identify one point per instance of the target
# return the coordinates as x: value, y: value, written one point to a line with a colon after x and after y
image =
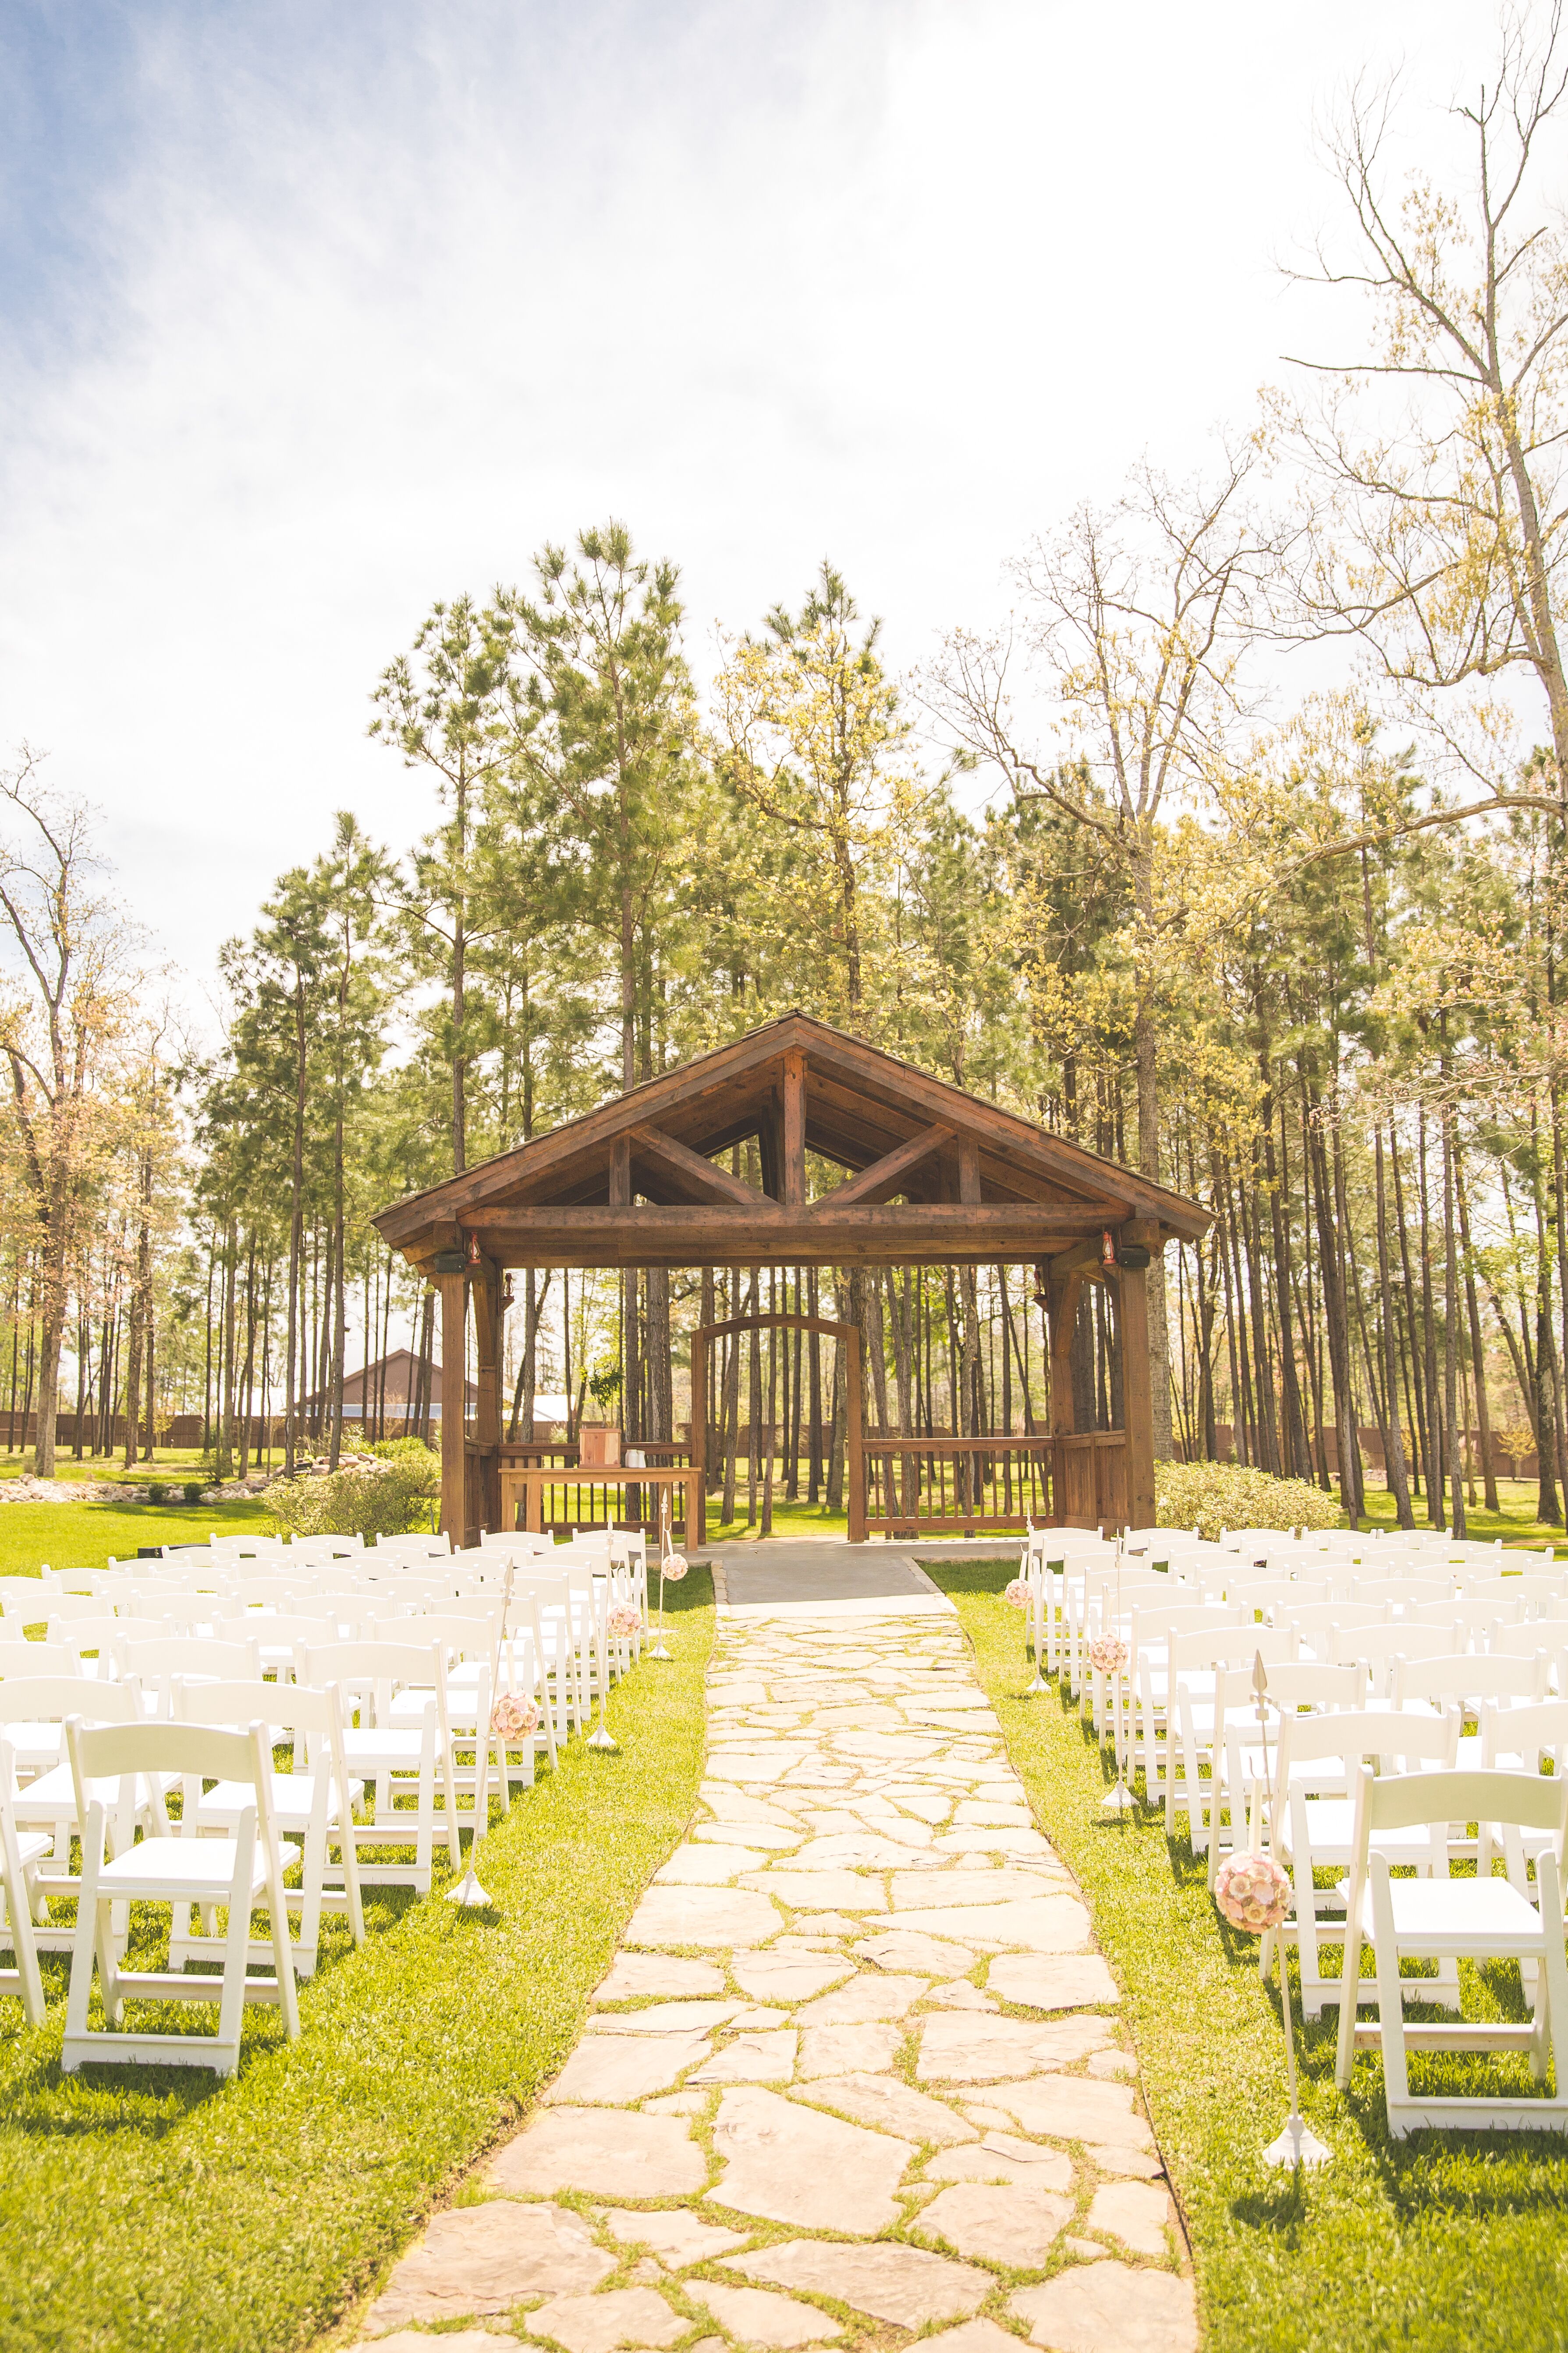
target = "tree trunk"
x: 1393, y: 1445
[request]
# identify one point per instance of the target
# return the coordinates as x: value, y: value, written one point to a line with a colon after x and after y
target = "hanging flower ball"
x: 1017, y: 1593
x: 514, y: 1718
x: 1253, y: 1891
x: 675, y: 1567
x: 623, y: 1622
x: 1108, y: 1654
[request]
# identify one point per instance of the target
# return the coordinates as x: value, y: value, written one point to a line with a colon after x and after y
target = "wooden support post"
x: 968, y: 1170
x: 1137, y: 1398
x: 697, y: 1505
x: 483, y: 1508
x: 1063, y: 1312
x: 621, y: 1173
x: 454, y: 1293
x: 854, y: 1436
x: 792, y: 1175
x: 1061, y: 1308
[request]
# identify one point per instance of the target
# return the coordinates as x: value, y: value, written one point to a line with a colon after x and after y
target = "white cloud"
x: 366, y: 310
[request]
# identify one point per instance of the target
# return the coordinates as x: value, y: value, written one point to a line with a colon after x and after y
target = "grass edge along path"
x: 145, y: 2207
x: 1447, y: 2242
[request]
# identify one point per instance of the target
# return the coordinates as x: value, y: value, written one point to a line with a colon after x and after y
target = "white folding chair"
x: 1245, y: 1763
x: 194, y: 1657
x: 244, y: 1872
x: 1311, y: 1825
x: 21, y: 1854
x: 35, y: 1713
x: 1519, y: 1737
x: 1466, y: 1681
x: 469, y: 1635
x: 1465, y: 1918
x: 1197, y: 1661
x: 397, y: 1760
x: 1153, y: 1627
x: 313, y: 1802
x: 1377, y: 1648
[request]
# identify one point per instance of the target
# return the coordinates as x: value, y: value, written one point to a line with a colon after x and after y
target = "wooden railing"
x: 968, y: 1486
x: 551, y: 1498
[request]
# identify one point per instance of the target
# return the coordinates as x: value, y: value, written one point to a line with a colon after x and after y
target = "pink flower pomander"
x: 514, y: 1718
x: 1017, y: 1593
x: 675, y: 1567
x: 1108, y: 1654
x: 623, y: 1622
x: 1253, y: 1891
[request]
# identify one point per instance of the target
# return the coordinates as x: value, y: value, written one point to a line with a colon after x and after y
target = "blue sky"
x: 309, y: 315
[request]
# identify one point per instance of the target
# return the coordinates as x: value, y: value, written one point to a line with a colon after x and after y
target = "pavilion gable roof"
x: 649, y: 1160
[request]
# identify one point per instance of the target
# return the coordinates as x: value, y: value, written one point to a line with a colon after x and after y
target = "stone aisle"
x: 857, y: 2070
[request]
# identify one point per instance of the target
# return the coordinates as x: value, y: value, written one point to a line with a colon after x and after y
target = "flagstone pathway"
x: 857, y: 2068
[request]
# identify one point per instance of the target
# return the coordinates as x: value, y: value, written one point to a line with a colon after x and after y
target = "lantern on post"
x: 1253, y: 1893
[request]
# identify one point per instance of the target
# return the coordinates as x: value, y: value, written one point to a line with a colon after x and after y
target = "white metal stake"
x: 602, y: 1740
x: 1034, y: 1624
x: 658, y: 1649
x: 1297, y: 2144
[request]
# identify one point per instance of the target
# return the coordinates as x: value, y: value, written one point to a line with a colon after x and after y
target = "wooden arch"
x: 854, y: 1431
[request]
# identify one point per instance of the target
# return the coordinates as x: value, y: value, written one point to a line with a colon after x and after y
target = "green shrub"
x: 192, y: 1491
x: 1210, y: 1496
x: 404, y: 1450
x: 359, y: 1502
x: 157, y: 1493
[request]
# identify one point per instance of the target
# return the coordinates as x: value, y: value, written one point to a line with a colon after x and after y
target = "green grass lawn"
x: 89, y: 1535
x: 147, y: 2208
x: 1515, y: 1522
x: 796, y: 1519
x: 1447, y: 2242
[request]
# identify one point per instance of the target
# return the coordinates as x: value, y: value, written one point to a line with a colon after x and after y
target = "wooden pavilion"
x: 934, y: 1176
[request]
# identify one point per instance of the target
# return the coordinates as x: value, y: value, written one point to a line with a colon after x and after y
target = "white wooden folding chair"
x: 33, y: 1712
x: 313, y: 1803
x: 1468, y: 1682
x: 1312, y: 1826
x: 399, y: 1760
x: 1244, y: 1763
x: 243, y: 1873
x: 1519, y: 1737
x: 194, y: 1657
x: 1315, y: 1624
x: 1155, y: 1625
x: 21, y: 1854
x: 1197, y: 1660
x: 1377, y: 1647
x: 1463, y: 1918
x: 469, y: 1635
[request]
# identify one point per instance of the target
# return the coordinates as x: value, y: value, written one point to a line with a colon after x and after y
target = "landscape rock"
x: 480, y: 2259
x: 886, y: 2104
x: 596, y: 2323
x: 1072, y: 1981
x: 718, y: 1917
x: 764, y: 2058
x: 677, y: 2236
x: 964, y: 2048
x: 1110, y: 2308
x: 792, y: 2164
x: 602, y: 2152
x: 635, y: 1976
x: 1011, y: 2225
x: 621, y: 2067
x: 891, y: 2282
x: 755, y: 2315
x: 1136, y: 2212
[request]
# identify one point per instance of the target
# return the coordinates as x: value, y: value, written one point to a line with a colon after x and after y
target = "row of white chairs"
x: 379, y: 1673
x: 1363, y: 1778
